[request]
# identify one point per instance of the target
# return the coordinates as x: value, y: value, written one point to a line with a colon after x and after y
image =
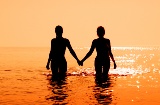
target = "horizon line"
x: 86, y: 46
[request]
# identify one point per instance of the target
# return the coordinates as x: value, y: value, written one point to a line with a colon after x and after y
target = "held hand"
x: 80, y: 63
x: 115, y: 66
x: 47, y: 67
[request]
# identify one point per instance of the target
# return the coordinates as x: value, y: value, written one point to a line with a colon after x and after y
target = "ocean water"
x: 25, y: 80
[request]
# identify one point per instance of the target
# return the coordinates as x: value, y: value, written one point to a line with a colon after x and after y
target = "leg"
x: 106, y: 68
x: 62, y: 69
x: 54, y: 69
x: 98, y: 69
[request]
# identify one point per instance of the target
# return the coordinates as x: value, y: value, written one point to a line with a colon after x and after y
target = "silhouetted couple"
x: 58, y: 47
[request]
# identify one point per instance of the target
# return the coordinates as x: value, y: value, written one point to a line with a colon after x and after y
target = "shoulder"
x: 53, y: 39
x: 65, y: 39
x: 107, y: 40
x: 95, y: 40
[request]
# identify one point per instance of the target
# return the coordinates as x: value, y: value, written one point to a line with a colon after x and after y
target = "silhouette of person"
x: 57, y: 52
x: 104, y: 53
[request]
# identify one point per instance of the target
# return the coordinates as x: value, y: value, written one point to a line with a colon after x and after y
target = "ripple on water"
x: 91, y: 72
x: 7, y: 70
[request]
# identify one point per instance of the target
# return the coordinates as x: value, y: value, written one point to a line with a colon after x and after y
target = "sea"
x: 24, y: 80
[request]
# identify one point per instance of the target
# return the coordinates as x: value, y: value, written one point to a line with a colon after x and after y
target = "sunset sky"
x: 32, y: 22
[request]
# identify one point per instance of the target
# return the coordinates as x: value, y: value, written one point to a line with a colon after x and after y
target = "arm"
x: 72, y: 51
x: 48, y: 62
x: 111, y: 55
x: 90, y: 52
x: 49, y: 58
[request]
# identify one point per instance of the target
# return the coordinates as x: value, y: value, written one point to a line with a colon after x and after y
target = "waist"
x: 58, y: 60
x: 103, y: 57
x: 58, y: 57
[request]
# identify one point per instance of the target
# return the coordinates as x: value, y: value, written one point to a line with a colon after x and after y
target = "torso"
x: 102, y: 47
x: 58, y: 48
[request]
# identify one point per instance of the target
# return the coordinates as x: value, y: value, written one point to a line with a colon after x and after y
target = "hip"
x: 102, y: 61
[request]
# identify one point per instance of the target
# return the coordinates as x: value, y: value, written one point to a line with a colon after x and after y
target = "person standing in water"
x: 104, y: 53
x: 57, y: 54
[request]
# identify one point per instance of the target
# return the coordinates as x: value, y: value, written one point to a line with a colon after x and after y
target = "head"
x: 58, y: 31
x: 100, y: 31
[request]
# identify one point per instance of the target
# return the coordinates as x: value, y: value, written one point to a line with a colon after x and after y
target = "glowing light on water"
x: 118, y: 71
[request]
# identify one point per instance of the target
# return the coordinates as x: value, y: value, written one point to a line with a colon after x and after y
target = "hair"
x: 58, y: 29
x: 100, y: 31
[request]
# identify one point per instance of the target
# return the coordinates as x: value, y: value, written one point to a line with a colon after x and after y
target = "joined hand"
x: 80, y: 63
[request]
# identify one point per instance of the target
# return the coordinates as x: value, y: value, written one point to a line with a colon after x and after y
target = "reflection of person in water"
x: 57, y: 92
x: 103, y: 91
x: 104, y: 53
x: 57, y: 52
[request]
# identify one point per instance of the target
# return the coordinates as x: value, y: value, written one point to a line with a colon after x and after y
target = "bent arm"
x: 72, y: 51
x: 110, y: 52
x: 49, y: 58
x: 111, y: 55
x: 90, y: 52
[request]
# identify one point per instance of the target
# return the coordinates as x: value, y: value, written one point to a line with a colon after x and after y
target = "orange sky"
x: 32, y: 22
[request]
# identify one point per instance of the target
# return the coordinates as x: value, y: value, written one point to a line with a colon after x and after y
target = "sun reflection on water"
x: 24, y: 79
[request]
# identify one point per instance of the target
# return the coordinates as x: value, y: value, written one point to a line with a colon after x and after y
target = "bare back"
x: 58, y: 48
x: 102, y: 46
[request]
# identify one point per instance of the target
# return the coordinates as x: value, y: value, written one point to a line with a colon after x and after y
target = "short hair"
x: 59, y: 29
x: 100, y: 31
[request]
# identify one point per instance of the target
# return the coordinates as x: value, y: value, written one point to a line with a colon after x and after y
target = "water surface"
x: 24, y: 79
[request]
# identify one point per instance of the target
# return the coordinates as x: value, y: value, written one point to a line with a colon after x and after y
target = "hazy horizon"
x: 30, y: 23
